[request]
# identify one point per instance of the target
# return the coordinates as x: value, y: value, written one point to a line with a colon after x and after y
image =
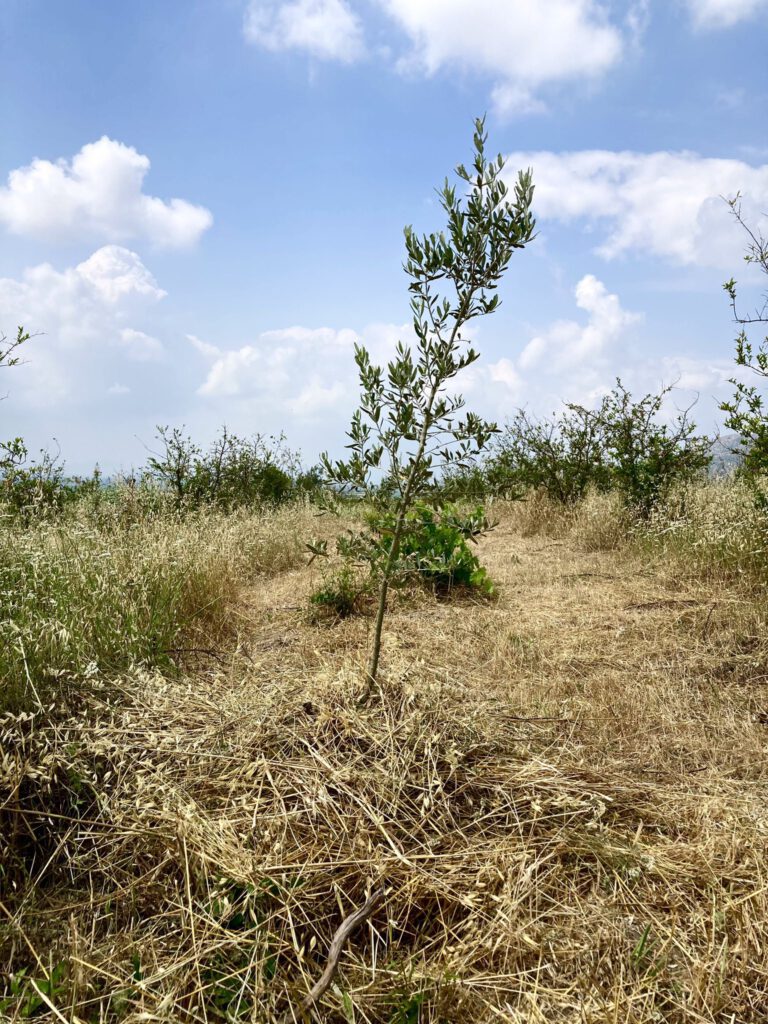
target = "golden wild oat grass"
x: 564, y: 791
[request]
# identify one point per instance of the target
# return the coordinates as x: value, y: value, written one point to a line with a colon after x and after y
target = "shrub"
x: 435, y: 548
x: 623, y: 445
x: 647, y: 459
x: 562, y: 456
x: 234, y: 472
x: 341, y: 594
x: 746, y: 411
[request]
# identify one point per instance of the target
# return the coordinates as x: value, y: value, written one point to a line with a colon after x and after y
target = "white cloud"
x: 83, y: 315
x: 577, y: 360
x: 140, y: 346
x: 637, y: 19
x: 504, y: 372
x: 520, y: 45
x: 308, y: 371
x: 708, y: 14
x: 114, y: 272
x: 327, y: 29
x: 96, y: 195
x: 203, y: 347
x: 698, y: 375
x: 317, y: 397
x: 664, y: 204
x: 567, y: 343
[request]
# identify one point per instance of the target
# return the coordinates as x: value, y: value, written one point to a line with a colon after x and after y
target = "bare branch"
x: 343, y: 932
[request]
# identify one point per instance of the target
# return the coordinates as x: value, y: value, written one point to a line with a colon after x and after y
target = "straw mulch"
x: 563, y: 792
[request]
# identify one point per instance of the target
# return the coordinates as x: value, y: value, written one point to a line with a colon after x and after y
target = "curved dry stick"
x: 343, y: 932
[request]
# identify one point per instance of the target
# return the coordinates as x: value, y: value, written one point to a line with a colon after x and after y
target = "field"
x: 563, y: 791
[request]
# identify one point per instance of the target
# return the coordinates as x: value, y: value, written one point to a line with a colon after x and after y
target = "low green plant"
x: 435, y: 548
x: 342, y: 592
x: 26, y: 995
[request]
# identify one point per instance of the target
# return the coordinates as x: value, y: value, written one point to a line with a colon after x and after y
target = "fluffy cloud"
x: 83, y: 315
x: 309, y: 375
x: 327, y: 29
x: 309, y: 371
x: 723, y: 13
x: 568, y: 344
x: 571, y: 359
x: 665, y: 204
x: 578, y: 360
x: 96, y: 195
x: 140, y: 346
x: 520, y: 45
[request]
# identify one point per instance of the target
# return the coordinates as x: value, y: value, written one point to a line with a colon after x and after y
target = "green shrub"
x: 233, y: 472
x: 647, y: 459
x: 747, y: 413
x: 435, y: 548
x: 341, y: 594
x: 563, y: 456
x: 624, y: 445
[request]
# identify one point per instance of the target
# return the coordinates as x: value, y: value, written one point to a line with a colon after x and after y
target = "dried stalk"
x: 343, y: 932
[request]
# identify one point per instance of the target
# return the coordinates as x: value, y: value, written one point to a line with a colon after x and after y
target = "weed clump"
x: 435, y: 549
x: 342, y: 593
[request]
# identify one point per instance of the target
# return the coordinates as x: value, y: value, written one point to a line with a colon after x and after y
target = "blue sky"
x: 202, y: 202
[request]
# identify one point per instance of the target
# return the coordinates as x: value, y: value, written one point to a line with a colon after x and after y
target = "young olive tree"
x: 12, y: 452
x: 407, y: 428
x: 746, y: 411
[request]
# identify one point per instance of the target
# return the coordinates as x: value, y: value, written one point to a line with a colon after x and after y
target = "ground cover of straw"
x: 565, y: 792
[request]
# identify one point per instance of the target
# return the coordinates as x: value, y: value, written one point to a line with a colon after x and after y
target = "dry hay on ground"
x: 564, y: 793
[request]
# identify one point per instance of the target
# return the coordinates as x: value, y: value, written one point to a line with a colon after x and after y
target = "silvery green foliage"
x: 408, y: 429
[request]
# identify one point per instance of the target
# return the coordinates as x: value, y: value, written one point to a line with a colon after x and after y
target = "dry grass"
x: 565, y: 792
x: 98, y: 594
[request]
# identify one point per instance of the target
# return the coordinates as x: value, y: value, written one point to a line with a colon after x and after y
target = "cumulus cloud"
x: 567, y: 343
x: 326, y: 29
x: 709, y: 14
x: 665, y: 204
x: 307, y: 370
x: 578, y: 360
x: 140, y: 346
x: 521, y: 46
x: 573, y: 359
x: 96, y: 195
x: 83, y: 314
